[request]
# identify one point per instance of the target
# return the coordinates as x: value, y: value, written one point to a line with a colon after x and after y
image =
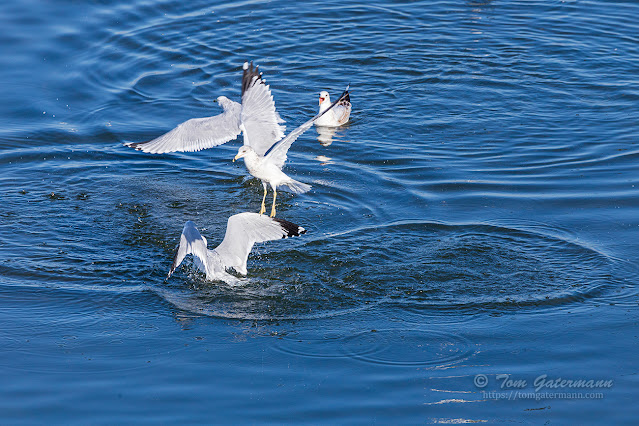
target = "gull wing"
x: 277, y: 155
x: 244, y: 230
x: 261, y: 121
x: 342, y: 110
x: 197, y: 133
x: 191, y: 242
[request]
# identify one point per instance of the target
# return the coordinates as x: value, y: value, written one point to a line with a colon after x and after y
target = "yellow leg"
x: 263, y: 209
x: 273, y: 208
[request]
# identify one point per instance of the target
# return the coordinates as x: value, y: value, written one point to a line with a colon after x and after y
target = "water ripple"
x: 445, y: 269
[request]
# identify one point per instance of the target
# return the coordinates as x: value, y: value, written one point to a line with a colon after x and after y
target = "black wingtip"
x: 134, y: 145
x: 247, y: 77
x: 292, y: 230
x: 345, y: 96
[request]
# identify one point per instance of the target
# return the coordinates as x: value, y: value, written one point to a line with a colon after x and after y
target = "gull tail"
x: 297, y: 187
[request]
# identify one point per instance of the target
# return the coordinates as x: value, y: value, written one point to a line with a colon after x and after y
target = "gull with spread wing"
x: 255, y: 116
x: 258, y: 121
x: 243, y: 230
x: 268, y: 168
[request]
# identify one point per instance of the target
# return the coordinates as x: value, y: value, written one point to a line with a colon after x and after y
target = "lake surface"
x: 477, y: 218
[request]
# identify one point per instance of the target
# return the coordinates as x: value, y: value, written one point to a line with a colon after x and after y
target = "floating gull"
x: 256, y: 116
x: 268, y: 168
x: 242, y: 232
x: 338, y: 115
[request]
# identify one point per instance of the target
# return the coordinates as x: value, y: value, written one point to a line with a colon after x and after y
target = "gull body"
x: 268, y: 168
x: 269, y: 173
x: 243, y: 230
x: 338, y: 115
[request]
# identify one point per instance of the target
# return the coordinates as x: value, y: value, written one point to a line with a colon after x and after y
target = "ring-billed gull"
x: 260, y: 124
x: 243, y: 230
x: 256, y: 116
x: 337, y: 115
x: 268, y: 168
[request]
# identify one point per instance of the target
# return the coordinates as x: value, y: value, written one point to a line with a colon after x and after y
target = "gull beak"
x: 321, y: 100
x: 238, y: 156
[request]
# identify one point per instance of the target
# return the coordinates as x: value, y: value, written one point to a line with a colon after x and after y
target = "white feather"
x: 243, y: 230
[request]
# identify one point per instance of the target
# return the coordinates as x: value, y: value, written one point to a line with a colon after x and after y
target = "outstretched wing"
x: 244, y: 230
x: 191, y: 242
x: 277, y: 155
x: 261, y: 121
x: 197, y: 133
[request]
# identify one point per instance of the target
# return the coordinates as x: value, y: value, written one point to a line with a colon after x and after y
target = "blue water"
x: 479, y: 215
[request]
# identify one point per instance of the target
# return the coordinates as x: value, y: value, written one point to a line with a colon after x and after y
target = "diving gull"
x: 243, y: 230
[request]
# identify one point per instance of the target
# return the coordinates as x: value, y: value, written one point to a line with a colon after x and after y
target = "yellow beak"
x: 236, y: 157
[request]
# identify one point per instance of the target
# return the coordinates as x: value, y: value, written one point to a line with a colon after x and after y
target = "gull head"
x: 324, y: 97
x: 243, y: 152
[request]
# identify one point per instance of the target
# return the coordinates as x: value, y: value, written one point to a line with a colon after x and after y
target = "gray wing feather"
x: 277, y: 155
x: 197, y: 133
x: 244, y: 230
x: 259, y: 117
x: 191, y: 242
x: 342, y: 112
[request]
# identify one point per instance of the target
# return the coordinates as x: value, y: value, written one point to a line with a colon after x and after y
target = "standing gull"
x: 338, y: 115
x: 255, y: 116
x: 243, y: 230
x: 268, y: 168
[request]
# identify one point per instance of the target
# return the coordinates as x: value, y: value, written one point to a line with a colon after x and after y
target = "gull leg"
x: 273, y: 207
x: 263, y: 209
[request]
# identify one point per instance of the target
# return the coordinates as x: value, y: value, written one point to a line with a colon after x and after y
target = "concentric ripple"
x: 324, y: 345
x: 409, y: 348
x: 397, y: 347
x: 444, y: 268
